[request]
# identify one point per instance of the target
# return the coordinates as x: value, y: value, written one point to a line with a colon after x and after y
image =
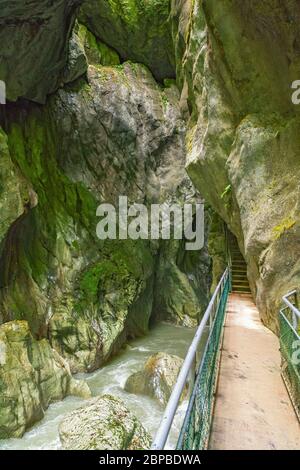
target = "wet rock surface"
x: 119, y: 133
x: 138, y: 30
x: 26, y: 32
x: 32, y: 375
x: 157, y: 378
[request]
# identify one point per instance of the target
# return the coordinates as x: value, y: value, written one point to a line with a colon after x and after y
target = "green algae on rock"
x: 14, y: 191
x: 138, y: 30
x: 32, y: 375
x: 104, y: 423
x: 96, y: 51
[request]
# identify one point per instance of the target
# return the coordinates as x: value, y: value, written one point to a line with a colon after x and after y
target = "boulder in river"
x: 104, y: 423
x: 158, y: 377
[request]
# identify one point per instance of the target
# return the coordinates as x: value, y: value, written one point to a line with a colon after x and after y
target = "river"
x: 111, y: 379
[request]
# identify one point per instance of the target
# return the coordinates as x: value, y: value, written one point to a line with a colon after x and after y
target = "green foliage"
x: 165, y: 100
x: 226, y: 192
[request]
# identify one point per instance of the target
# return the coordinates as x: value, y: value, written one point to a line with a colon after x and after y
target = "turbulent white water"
x: 111, y: 379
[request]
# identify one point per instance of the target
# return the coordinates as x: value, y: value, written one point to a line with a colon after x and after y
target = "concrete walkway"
x: 252, y: 409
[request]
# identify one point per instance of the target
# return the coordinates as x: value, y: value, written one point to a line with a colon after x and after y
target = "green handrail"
x: 289, y: 322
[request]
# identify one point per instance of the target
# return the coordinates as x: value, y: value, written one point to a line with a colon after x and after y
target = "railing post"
x: 289, y: 335
x: 192, y: 378
x: 295, y: 313
x: 295, y: 318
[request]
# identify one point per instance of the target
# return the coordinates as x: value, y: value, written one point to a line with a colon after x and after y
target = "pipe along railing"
x: 196, y: 427
x: 289, y: 322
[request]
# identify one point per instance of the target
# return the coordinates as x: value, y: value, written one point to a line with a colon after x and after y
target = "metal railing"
x: 212, y: 320
x: 292, y: 303
x: 289, y: 321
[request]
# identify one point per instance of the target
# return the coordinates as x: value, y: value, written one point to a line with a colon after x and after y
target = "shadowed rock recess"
x: 104, y: 423
x: 115, y: 97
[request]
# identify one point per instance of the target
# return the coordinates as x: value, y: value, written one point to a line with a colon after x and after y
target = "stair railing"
x: 289, y: 322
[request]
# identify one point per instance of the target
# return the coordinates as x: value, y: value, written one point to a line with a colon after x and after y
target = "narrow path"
x: 252, y: 409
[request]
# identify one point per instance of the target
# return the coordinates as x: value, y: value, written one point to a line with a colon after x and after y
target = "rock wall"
x: 100, y: 115
x: 32, y: 375
x: 239, y: 61
x: 26, y: 31
x: 95, y: 129
x: 116, y: 133
x: 137, y: 29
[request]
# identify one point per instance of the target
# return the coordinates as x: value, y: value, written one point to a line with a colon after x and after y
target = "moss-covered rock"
x: 77, y: 63
x: 105, y: 130
x: 105, y: 423
x: 138, y: 30
x: 120, y: 133
x: 216, y: 247
x: 14, y: 191
x: 32, y: 375
x: 183, y: 278
x: 157, y: 378
x: 96, y: 51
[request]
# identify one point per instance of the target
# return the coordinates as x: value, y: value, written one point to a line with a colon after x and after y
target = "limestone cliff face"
x: 94, y: 113
x: 243, y: 140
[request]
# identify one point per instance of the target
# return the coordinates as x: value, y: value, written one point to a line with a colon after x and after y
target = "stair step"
x: 241, y: 284
x: 244, y: 287
x: 240, y: 289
